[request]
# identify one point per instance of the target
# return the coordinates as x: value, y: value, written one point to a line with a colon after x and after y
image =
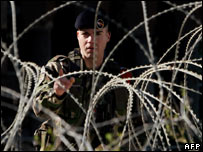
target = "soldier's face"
x: 88, y: 45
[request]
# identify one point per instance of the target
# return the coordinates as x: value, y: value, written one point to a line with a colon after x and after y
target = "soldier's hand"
x: 66, y: 83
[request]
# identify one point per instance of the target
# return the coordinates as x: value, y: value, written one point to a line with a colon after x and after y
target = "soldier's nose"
x: 90, y: 39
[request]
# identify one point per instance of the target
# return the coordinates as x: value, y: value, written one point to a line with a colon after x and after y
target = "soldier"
x: 55, y: 97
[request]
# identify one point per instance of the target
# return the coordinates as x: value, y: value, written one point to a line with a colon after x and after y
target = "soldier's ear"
x: 77, y: 34
x: 108, y: 36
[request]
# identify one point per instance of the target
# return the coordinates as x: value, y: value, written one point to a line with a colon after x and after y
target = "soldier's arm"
x: 45, y: 94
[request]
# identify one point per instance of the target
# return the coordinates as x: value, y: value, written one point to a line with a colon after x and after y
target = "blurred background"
x: 56, y: 34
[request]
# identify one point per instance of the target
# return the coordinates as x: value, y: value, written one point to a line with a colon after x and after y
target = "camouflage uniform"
x: 110, y: 105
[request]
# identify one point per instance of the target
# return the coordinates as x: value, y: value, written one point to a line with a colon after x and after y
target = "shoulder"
x: 57, y: 58
x: 76, y: 61
x: 54, y: 64
x: 74, y: 54
x: 71, y: 62
x: 61, y: 59
x: 112, y: 67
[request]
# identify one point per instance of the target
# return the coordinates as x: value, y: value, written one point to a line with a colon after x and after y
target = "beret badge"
x: 100, y: 24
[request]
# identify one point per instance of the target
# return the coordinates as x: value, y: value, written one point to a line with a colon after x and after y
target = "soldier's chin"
x: 90, y: 52
x: 89, y: 55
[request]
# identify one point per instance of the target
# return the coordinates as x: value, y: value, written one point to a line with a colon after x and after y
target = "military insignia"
x: 100, y: 23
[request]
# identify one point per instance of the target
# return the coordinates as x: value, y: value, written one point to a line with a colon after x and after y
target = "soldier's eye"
x: 99, y: 33
x: 85, y: 33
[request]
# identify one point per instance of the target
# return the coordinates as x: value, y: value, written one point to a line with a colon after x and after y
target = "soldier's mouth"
x: 90, y: 49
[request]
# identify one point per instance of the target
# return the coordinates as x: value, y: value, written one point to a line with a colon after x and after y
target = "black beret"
x: 86, y: 20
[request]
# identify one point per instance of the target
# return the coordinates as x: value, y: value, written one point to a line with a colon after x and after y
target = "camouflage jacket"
x: 109, y: 106
x: 65, y: 106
